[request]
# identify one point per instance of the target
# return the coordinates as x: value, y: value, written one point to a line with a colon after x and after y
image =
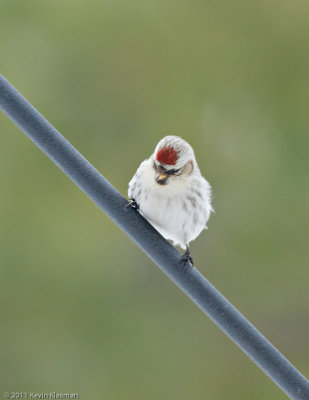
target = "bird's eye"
x: 172, y: 171
x: 155, y: 166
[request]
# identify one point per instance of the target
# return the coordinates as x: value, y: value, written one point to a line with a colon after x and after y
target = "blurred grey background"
x: 83, y: 310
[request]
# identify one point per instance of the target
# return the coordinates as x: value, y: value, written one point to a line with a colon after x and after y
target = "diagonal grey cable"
x: 189, y: 280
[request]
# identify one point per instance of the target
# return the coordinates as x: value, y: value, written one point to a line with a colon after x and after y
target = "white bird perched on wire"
x: 170, y: 192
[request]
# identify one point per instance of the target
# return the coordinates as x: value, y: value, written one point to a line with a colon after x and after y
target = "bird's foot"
x: 187, y: 258
x: 132, y: 203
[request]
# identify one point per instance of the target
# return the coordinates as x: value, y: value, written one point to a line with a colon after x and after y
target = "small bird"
x: 170, y: 192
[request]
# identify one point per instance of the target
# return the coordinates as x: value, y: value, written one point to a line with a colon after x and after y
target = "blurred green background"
x: 83, y: 310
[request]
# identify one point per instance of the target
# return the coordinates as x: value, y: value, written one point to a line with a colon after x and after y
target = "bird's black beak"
x: 161, y: 178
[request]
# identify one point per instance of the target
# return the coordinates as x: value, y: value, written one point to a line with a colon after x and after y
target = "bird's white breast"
x: 179, y: 210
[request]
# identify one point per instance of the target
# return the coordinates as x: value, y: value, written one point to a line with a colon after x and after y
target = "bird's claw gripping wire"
x: 132, y: 204
x: 187, y: 258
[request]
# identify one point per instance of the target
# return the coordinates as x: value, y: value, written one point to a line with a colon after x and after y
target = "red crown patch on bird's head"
x: 167, y: 155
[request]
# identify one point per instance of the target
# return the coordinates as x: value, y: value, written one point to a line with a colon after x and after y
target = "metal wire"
x: 189, y: 280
